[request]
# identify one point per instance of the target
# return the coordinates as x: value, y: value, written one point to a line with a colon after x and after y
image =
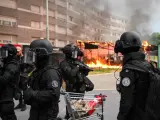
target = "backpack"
x: 153, y: 99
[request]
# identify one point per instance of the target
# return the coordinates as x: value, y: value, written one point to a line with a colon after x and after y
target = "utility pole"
x: 47, y: 21
x: 67, y: 3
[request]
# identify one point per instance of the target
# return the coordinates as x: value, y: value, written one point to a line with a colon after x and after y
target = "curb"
x: 104, y: 89
x: 101, y: 74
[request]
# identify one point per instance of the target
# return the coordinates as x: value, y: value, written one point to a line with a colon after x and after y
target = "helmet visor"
x: 74, y: 54
x: 3, y: 53
x: 29, y: 56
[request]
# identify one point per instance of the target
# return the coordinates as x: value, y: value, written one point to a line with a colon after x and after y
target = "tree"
x: 155, y: 38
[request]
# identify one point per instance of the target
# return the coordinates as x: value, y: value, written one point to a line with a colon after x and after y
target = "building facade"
x: 22, y: 21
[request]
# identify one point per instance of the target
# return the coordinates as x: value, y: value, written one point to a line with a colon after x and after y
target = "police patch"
x: 127, y: 70
x: 55, y: 84
x: 126, y: 82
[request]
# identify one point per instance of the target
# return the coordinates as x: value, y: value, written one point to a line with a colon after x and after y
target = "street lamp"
x: 47, y: 21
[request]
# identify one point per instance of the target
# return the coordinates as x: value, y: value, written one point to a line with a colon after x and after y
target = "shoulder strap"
x: 136, y: 65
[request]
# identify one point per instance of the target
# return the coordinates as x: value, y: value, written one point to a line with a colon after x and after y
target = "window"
x: 51, y: 27
x: 8, y: 3
x: 8, y: 21
x: 70, y: 31
x: 1, y: 22
x: 70, y: 18
x: 82, y: 1
x: 8, y: 38
x: 7, y: 41
x: 35, y: 8
x: 61, y: 30
x: 86, y: 26
x: 70, y: 6
x: 61, y: 16
x: 35, y: 24
x: 62, y: 3
x: 51, y: 0
x: 14, y: 24
x: 51, y: 13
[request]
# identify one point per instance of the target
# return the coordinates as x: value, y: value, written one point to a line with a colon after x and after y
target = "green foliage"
x: 155, y: 39
x: 103, y: 71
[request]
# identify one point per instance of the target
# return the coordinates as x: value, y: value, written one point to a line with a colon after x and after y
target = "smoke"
x: 144, y: 15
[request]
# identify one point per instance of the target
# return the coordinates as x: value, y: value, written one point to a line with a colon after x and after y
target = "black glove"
x: 29, y: 93
x: 89, y: 84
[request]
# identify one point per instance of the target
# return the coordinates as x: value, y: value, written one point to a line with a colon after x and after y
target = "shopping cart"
x: 84, y: 106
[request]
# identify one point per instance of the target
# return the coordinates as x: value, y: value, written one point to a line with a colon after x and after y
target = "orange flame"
x: 98, y: 64
x: 145, y: 45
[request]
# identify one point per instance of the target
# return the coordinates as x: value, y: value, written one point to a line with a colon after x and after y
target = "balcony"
x: 61, y: 3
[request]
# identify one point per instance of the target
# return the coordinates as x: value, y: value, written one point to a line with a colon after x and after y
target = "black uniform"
x: 134, y: 81
x: 133, y: 89
x: 45, y: 83
x: 9, y: 76
x: 70, y: 72
x: 73, y: 74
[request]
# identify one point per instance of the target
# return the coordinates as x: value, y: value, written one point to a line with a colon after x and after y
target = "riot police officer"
x: 73, y: 73
x: 45, y: 83
x: 9, y: 76
x: 134, y: 82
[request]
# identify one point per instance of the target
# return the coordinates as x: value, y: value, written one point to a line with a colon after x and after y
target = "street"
x: 104, y: 84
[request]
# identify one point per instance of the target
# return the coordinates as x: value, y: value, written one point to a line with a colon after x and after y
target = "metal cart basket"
x: 84, y: 106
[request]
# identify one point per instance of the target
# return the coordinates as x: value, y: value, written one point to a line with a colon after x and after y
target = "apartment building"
x: 22, y: 21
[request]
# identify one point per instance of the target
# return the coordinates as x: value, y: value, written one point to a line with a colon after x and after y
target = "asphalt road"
x: 104, y: 84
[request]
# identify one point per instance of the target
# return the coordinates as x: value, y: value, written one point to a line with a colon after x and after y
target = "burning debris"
x: 99, y: 64
x: 145, y: 45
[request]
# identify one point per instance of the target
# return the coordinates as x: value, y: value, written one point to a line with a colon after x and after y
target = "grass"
x: 103, y: 71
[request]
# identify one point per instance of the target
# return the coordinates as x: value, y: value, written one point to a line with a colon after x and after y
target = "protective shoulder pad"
x: 142, y: 66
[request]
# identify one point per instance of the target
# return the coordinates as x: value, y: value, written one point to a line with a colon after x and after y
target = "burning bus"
x: 100, y: 54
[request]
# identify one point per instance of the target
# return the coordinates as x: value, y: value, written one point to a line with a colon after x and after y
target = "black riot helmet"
x: 129, y: 42
x: 8, y: 51
x: 39, y: 51
x: 71, y: 51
